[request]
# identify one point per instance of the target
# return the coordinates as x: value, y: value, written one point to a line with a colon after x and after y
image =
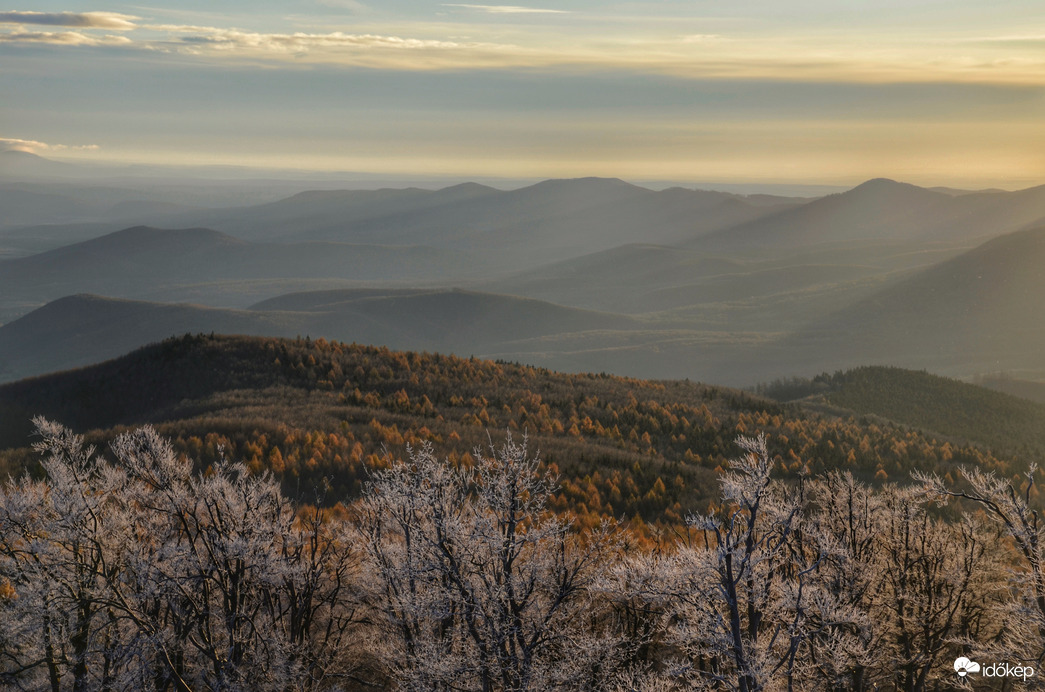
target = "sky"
x: 934, y: 92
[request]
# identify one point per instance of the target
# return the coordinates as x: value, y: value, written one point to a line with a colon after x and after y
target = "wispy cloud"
x: 362, y: 50
x: 506, y: 9
x: 34, y: 147
x: 434, y: 46
x: 80, y: 20
x: 1030, y: 40
x: 234, y: 39
x: 63, y: 38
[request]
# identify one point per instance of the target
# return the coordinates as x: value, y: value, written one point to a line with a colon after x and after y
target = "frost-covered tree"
x: 1010, y: 507
x: 129, y: 570
x: 62, y: 542
x: 479, y: 586
x: 749, y: 610
x: 140, y: 574
x: 819, y: 584
x: 934, y: 590
x: 847, y: 513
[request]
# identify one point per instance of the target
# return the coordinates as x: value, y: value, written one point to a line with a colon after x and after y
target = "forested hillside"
x: 316, y: 413
x: 956, y: 409
x: 1004, y: 422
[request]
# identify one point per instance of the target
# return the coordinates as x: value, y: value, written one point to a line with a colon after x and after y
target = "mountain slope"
x: 939, y: 404
x: 885, y: 209
x: 462, y: 322
x: 78, y: 330
x: 652, y: 278
x: 979, y: 312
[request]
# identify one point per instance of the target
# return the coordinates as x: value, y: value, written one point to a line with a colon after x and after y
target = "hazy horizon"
x: 134, y: 172
x: 816, y: 93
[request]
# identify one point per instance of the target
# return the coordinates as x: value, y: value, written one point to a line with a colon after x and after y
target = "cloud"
x: 1029, y: 40
x: 686, y: 56
x: 182, y: 28
x: 506, y: 9
x: 359, y: 50
x: 26, y: 145
x: 80, y: 20
x: 234, y: 39
x: 62, y: 38
x: 31, y: 146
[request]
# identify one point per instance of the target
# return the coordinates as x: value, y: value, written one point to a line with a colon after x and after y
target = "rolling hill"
x: 976, y: 313
x: 82, y: 329
x: 449, y: 321
x: 1007, y: 383
x: 208, y: 266
x: 316, y: 413
x: 79, y: 330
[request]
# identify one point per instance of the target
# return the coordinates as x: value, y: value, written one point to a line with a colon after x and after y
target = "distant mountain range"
x: 524, y: 227
x: 974, y: 313
x: 587, y: 274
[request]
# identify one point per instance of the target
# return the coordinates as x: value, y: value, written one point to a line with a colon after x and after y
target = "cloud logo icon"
x: 963, y: 666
